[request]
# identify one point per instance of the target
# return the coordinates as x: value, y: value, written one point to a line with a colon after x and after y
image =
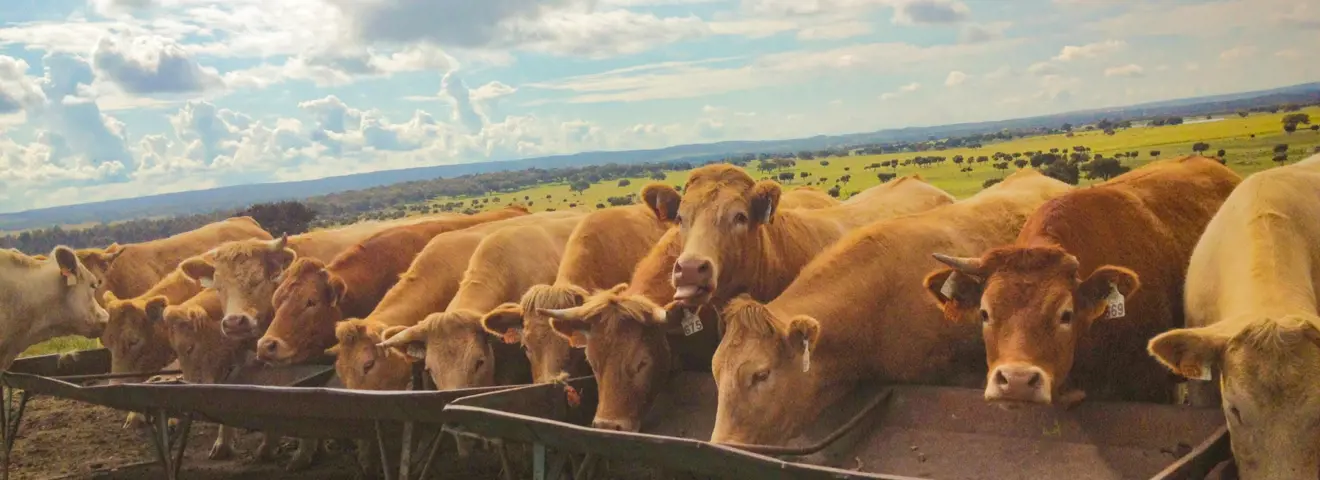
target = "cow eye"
x: 1237, y: 415
x: 985, y: 316
x: 740, y: 218
x: 311, y: 303
x: 640, y: 365
x: 760, y: 376
x: 480, y: 363
x: 1066, y: 318
x: 366, y: 366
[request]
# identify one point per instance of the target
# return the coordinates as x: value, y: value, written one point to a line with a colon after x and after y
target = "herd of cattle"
x: 1039, y: 292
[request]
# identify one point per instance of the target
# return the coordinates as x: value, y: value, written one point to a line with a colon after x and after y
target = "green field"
x: 1244, y: 154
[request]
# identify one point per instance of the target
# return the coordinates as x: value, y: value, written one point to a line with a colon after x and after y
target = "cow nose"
x: 268, y: 348
x: 607, y: 425
x: 693, y: 278
x: 1023, y: 383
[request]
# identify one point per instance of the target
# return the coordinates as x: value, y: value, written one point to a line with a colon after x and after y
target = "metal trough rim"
x: 1179, y: 469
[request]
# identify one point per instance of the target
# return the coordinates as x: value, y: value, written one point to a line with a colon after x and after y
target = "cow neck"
x: 411, y: 300
x: 1280, y: 279
x: 479, y: 295
x: 784, y: 247
x: 20, y: 320
x: 360, y: 299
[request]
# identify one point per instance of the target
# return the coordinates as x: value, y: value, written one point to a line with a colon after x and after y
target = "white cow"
x: 45, y: 298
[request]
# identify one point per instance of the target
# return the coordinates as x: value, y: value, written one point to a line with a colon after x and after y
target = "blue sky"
x: 104, y: 99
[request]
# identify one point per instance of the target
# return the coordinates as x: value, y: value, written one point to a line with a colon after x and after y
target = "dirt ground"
x: 66, y: 439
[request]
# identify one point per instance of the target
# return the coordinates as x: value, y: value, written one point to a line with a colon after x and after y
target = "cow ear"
x: 1104, y: 293
x: 569, y: 323
x: 765, y: 200
x: 957, y: 294
x: 803, y: 333
x: 155, y: 308
x: 200, y: 270
x: 663, y: 200
x: 68, y: 262
x: 1190, y: 352
x: 505, y: 321
x: 333, y: 351
x: 112, y: 253
x: 338, y: 289
x: 411, y: 341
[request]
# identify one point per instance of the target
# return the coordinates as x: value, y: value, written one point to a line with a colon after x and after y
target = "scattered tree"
x: 885, y: 177
x: 1066, y: 172
x: 624, y: 182
x: 281, y: 218
x: 786, y: 177
x: 579, y: 186
x: 1290, y: 127
x: 1199, y: 147
x: 1021, y: 162
x: 824, y: 163
x: 1105, y: 168
x: 991, y: 182
x: 1154, y: 153
x: 804, y: 174
x: 1220, y: 153
x: 1297, y: 118
x: 834, y: 192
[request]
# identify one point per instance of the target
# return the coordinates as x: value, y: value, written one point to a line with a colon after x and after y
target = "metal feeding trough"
x: 880, y: 432
x: 292, y: 401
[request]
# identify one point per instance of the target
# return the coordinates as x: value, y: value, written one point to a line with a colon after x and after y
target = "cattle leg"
x: 270, y: 443
x: 135, y: 420
x: 303, y: 456
x: 223, y: 449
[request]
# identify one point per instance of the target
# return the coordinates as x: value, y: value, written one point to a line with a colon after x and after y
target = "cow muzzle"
x: 239, y: 326
x: 694, y: 280
x: 615, y: 425
x: 273, y: 350
x: 1018, y: 383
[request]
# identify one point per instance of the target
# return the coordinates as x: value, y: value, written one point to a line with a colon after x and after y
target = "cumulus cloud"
x: 331, y: 113
x: 1043, y: 68
x: 955, y: 78
x: 1129, y: 70
x: 1237, y: 53
x: 835, y: 31
x: 982, y: 32
x: 1090, y: 50
x: 903, y: 90
x: 18, y: 91
x: 456, y: 92
x: 924, y: 12
x: 150, y: 64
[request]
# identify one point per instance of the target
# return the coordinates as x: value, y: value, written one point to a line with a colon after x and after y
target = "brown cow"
x: 426, y: 287
x: 44, y: 299
x: 1254, y: 322
x: 246, y: 272
x: 458, y: 352
x: 1060, y: 308
x: 352, y: 284
x: 130, y: 270
x: 137, y: 344
x: 858, y: 312
x: 207, y: 356
x: 364, y: 365
x: 736, y: 236
x: 602, y: 253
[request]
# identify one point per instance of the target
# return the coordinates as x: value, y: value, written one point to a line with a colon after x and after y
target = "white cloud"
x: 1043, y: 68
x: 1090, y: 50
x: 924, y: 12
x: 1237, y: 53
x: 835, y: 31
x: 1129, y: 70
x: 903, y: 90
x: 1289, y: 53
x: 18, y: 91
x: 149, y: 65
x: 955, y: 78
x: 982, y: 32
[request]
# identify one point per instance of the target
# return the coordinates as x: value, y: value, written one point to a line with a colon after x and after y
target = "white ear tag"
x: 69, y: 278
x: 691, y: 323
x: 947, y: 288
x: 1115, y: 304
x: 206, y: 282
x: 416, y: 351
x: 1205, y: 373
x: 769, y: 210
x: 806, y: 355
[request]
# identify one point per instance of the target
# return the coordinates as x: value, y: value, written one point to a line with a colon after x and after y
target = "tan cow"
x: 136, y: 343
x: 44, y: 299
x: 602, y: 252
x: 314, y: 292
x: 207, y: 356
x: 859, y: 312
x: 458, y: 352
x: 130, y: 270
x: 246, y: 272
x: 737, y: 238
x: 426, y: 287
x: 1254, y: 322
x: 1060, y: 308
x: 362, y: 364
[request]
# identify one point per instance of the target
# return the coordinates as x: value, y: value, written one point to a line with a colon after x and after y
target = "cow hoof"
x: 265, y: 452
x: 221, y: 451
x: 135, y: 421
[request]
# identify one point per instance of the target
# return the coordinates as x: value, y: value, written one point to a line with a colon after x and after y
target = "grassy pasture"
x: 1234, y: 134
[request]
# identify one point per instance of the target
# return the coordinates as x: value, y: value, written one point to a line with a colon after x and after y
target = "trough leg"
x: 384, y: 454
x: 169, y: 459
x: 558, y: 462
x: 405, y: 452
x: 538, y: 461
x: 588, y: 467
x: 11, y: 416
x: 430, y: 455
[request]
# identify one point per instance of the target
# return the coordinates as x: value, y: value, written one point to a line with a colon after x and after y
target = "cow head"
x: 245, y: 274
x: 1033, y: 307
x: 206, y: 355
x: 1269, y: 379
x: 627, y: 348
x: 767, y: 392
x: 721, y: 212
x: 98, y: 261
x: 47, y: 299
x: 549, y: 353
x: 137, y: 342
x: 362, y: 364
x: 307, y: 308
x: 457, y: 350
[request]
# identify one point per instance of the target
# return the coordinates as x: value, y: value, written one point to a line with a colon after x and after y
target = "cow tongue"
x: 686, y: 292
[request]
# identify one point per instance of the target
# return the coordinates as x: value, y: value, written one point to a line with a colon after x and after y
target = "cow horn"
x: 968, y: 265
x: 279, y: 243
x: 402, y: 339
x: 566, y: 314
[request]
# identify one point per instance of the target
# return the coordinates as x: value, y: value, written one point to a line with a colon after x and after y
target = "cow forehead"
x: 1272, y: 368
x: 1030, y: 291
